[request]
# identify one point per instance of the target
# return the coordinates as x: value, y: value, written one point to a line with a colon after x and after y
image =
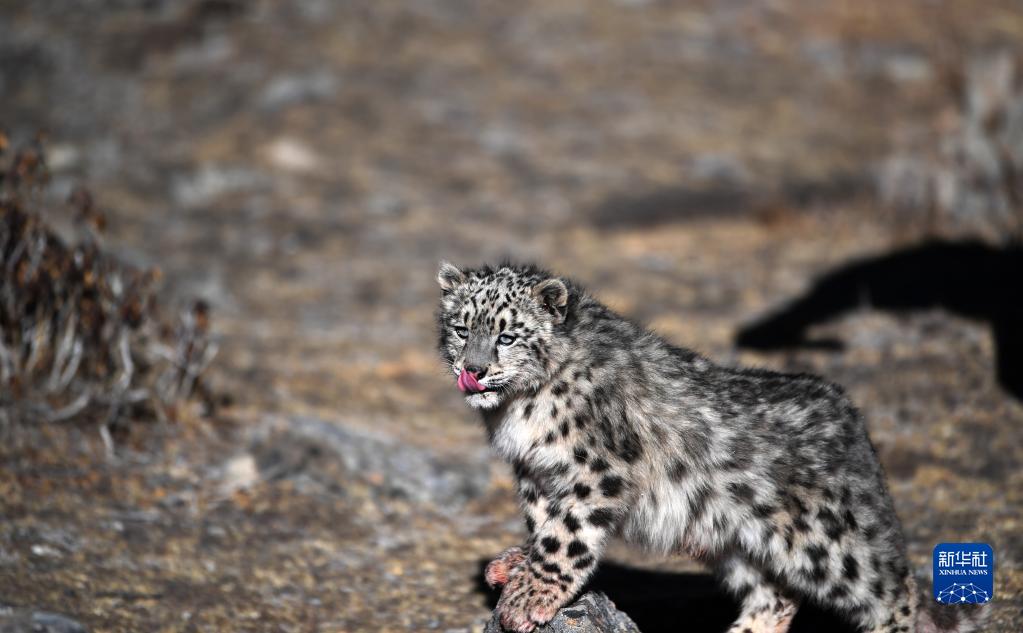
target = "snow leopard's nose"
x: 477, y: 371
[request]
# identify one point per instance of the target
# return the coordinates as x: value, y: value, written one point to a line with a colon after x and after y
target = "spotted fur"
x: 768, y: 478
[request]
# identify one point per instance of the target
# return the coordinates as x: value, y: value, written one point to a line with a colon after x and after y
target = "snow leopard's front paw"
x: 527, y: 602
x: 507, y: 564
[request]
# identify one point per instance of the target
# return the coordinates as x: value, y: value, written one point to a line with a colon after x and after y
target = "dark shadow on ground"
x: 673, y: 204
x: 968, y: 278
x: 718, y: 201
x: 666, y: 602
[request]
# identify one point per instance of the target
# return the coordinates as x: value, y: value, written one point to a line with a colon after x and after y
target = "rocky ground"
x: 304, y: 166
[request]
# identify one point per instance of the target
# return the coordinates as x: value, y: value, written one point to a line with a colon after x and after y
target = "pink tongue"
x: 467, y: 383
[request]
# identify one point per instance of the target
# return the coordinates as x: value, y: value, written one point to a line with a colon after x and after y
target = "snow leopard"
x: 769, y: 479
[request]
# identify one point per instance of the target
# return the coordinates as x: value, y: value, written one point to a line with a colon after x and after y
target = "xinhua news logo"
x: 964, y: 573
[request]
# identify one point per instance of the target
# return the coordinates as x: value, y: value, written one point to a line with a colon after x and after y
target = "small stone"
x: 239, y: 473
x: 291, y: 154
x: 28, y: 621
x: 301, y: 88
x: 592, y: 613
x: 45, y: 551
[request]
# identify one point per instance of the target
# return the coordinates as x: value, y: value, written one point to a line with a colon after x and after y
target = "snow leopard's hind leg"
x: 764, y: 608
x: 907, y: 610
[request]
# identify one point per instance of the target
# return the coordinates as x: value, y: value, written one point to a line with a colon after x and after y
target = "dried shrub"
x: 81, y: 333
x: 964, y: 172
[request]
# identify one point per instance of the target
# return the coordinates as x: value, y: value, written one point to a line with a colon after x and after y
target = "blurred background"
x: 221, y: 405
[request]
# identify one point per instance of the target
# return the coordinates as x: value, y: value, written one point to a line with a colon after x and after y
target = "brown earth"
x: 304, y: 166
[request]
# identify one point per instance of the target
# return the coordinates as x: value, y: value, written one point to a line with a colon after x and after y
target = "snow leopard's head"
x: 496, y: 326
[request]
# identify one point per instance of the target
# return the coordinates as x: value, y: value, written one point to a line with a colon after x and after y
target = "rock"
x: 290, y: 89
x: 204, y: 185
x: 28, y: 621
x: 306, y: 447
x: 291, y: 154
x: 592, y: 613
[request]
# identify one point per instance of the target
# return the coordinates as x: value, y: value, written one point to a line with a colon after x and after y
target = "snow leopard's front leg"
x: 569, y: 525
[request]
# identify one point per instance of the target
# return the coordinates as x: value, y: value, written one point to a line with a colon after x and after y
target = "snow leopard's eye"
x: 505, y: 339
x: 462, y: 332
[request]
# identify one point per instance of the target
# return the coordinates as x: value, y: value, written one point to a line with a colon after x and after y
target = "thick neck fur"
x: 596, y: 355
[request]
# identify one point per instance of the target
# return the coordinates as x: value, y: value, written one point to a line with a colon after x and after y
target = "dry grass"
x: 81, y: 333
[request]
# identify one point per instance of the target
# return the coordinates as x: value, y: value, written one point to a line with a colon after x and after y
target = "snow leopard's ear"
x: 449, y: 277
x: 553, y: 296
